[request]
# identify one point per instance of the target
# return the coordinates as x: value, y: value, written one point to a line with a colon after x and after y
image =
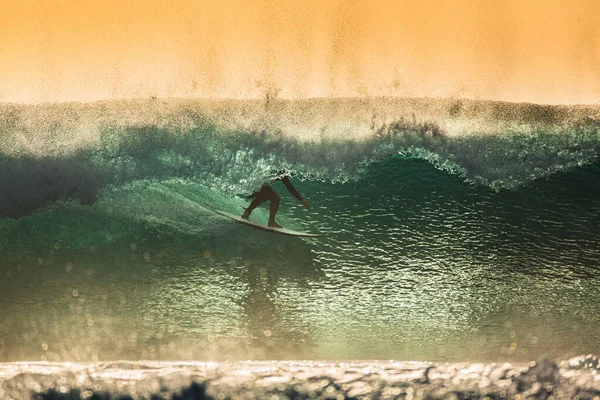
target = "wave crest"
x: 76, y: 152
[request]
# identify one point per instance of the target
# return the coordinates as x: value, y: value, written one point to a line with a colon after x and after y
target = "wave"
x: 55, y: 152
x: 449, y: 235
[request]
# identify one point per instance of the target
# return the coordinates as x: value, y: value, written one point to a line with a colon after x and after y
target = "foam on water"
x: 574, y: 378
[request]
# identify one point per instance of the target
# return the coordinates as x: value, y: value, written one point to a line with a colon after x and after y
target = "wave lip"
x: 575, y: 377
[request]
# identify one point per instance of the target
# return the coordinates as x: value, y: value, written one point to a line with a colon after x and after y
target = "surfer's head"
x: 279, y: 173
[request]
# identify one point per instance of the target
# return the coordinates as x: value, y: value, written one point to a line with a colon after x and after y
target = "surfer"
x: 265, y: 193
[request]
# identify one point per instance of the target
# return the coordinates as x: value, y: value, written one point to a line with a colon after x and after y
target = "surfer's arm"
x: 293, y: 191
x: 291, y: 188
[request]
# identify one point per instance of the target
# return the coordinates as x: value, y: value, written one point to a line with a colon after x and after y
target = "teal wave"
x: 439, y: 245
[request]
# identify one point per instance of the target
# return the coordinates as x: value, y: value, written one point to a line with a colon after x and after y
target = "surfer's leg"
x: 255, y: 203
x: 265, y: 194
x: 260, y: 196
x: 269, y: 194
x: 274, y: 207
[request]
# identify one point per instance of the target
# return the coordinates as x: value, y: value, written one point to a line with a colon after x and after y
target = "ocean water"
x: 455, y: 231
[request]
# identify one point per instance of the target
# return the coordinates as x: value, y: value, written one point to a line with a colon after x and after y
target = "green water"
x: 415, y: 264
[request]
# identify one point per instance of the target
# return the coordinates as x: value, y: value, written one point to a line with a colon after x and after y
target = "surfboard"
x: 281, y: 231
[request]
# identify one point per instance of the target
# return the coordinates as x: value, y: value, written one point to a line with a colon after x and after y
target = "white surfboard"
x: 281, y: 231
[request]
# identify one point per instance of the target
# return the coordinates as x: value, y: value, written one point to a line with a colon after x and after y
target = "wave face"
x: 454, y: 230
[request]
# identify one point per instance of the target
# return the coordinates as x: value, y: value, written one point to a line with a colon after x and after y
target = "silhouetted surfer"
x: 265, y: 193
